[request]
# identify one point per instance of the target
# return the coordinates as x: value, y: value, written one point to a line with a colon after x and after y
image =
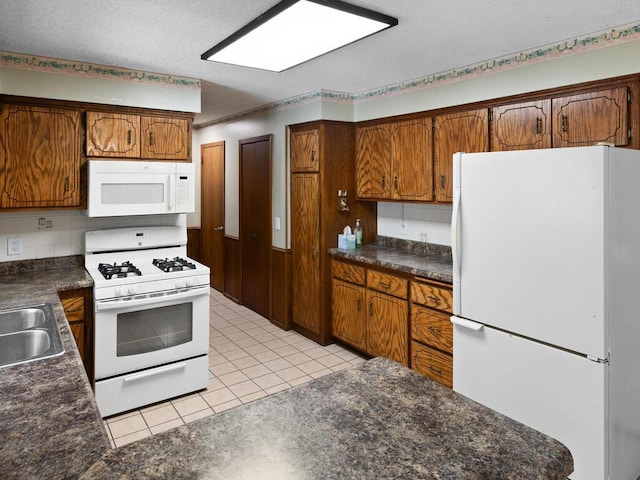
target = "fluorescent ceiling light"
x: 295, y: 31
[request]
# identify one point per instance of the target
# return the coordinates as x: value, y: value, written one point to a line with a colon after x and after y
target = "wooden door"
x: 457, y: 132
x: 40, y: 155
x: 348, y: 308
x: 113, y: 135
x: 164, y: 138
x: 373, y: 161
x: 591, y: 118
x: 305, y: 250
x: 212, y: 211
x: 521, y: 126
x: 255, y: 223
x: 412, y: 163
x: 305, y: 151
x: 387, y: 327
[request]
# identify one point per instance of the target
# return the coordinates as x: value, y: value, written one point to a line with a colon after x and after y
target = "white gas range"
x: 151, y: 305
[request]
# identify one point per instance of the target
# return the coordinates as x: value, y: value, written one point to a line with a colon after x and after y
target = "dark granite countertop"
x: 415, y: 258
x: 375, y: 421
x: 49, y: 421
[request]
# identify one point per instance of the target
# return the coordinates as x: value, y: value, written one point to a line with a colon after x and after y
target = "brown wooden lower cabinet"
x: 370, y: 320
x: 431, y: 331
x: 77, y: 306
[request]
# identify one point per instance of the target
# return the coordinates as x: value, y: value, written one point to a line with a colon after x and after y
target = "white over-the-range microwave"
x: 118, y: 188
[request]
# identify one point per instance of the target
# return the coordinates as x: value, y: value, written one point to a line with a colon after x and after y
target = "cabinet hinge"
x: 630, y: 133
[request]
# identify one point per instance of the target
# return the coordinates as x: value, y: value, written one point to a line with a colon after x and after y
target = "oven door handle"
x: 154, y: 372
x: 127, y: 304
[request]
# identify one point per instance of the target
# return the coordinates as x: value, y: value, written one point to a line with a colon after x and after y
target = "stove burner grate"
x: 123, y: 270
x: 174, y: 265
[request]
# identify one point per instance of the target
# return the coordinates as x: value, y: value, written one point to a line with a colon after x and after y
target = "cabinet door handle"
x: 129, y: 137
x: 313, y: 156
x: 435, y: 370
x: 371, y: 309
x: 385, y: 284
x: 150, y: 138
x: 384, y: 182
x: 538, y: 126
x: 359, y: 305
x: 564, y: 123
x: 441, y: 182
x: 434, y: 330
x: 434, y: 299
x: 395, y: 183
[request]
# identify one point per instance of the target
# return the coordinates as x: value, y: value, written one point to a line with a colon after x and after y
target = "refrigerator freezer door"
x: 530, y: 240
x: 558, y: 393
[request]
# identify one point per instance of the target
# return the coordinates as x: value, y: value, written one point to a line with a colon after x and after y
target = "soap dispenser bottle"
x: 358, y: 231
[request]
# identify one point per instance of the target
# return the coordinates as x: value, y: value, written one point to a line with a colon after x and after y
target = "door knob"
x: 254, y: 236
x: 219, y: 228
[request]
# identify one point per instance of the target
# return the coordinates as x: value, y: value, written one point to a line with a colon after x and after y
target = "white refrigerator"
x: 546, y: 254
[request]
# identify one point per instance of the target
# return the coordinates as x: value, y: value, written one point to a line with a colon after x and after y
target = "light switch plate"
x: 277, y: 223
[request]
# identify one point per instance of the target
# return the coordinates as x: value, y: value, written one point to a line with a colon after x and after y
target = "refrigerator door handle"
x: 464, y: 323
x: 454, y: 234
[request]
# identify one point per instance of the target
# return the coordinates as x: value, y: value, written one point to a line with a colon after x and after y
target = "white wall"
x: 410, y: 221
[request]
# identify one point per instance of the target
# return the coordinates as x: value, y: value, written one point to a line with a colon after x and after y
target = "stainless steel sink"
x: 27, y: 334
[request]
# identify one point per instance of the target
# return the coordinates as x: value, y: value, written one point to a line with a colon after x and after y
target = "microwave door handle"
x: 172, y: 194
x: 146, y: 301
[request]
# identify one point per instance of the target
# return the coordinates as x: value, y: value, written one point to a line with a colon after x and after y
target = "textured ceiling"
x: 168, y: 36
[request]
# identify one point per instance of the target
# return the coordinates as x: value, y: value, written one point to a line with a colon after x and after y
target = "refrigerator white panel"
x: 530, y: 239
x: 558, y: 393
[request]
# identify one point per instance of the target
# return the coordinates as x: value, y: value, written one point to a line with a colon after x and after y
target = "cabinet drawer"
x: 432, y: 363
x: 432, y: 296
x: 432, y: 327
x: 347, y: 272
x: 386, y: 283
x: 73, y: 306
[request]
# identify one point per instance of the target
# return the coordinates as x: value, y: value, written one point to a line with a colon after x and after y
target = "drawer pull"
x: 435, y: 370
x: 435, y: 330
x: 385, y: 284
x: 75, y: 310
x: 434, y: 299
x: 346, y: 273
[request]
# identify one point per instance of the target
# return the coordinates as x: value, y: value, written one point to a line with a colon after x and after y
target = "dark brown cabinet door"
x: 457, y: 132
x: 591, y: 118
x: 412, y: 163
x: 40, y: 157
x: 373, y: 162
x: 349, y: 314
x: 521, y: 126
x: 113, y: 135
x: 305, y: 250
x: 305, y: 151
x: 164, y: 138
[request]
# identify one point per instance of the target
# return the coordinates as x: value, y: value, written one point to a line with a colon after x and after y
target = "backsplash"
x: 51, y: 233
x: 413, y: 221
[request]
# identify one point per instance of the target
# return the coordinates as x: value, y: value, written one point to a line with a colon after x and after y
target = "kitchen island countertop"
x: 49, y: 421
x: 379, y: 420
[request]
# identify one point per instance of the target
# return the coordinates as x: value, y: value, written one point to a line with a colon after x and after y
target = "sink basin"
x: 22, y: 319
x: 27, y: 334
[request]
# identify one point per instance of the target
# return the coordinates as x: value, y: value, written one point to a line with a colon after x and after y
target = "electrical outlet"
x: 14, y: 246
x: 45, y: 224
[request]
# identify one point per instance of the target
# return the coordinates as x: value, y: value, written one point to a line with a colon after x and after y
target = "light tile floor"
x: 249, y: 358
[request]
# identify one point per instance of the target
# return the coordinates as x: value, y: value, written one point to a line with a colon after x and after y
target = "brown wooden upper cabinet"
x: 133, y: 136
x: 305, y: 150
x: 521, y: 126
x: 589, y: 118
x: 394, y: 161
x: 457, y: 132
x: 40, y: 155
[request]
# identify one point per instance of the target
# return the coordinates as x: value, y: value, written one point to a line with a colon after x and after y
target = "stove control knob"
x: 118, y: 292
x: 189, y: 282
x: 179, y: 283
x: 133, y: 290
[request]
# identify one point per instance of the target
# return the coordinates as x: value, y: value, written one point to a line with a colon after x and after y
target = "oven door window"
x: 154, y: 329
